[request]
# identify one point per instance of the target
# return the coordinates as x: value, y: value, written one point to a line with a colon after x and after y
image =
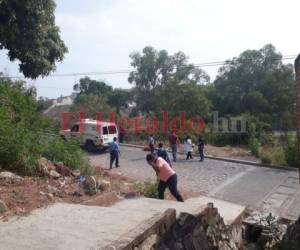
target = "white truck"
x: 92, y: 134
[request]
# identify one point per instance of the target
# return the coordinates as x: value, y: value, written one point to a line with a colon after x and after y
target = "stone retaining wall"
x: 204, y: 231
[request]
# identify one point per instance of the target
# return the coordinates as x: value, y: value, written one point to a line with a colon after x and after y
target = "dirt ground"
x: 236, y: 152
x: 21, y: 196
x: 28, y: 193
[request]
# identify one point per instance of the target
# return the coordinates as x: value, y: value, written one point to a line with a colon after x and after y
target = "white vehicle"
x: 92, y: 134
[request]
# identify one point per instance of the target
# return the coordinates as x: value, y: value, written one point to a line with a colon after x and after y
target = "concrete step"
x: 68, y: 226
x: 229, y: 211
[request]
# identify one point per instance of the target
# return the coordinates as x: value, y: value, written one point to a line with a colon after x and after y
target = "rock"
x: 54, y: 174
x: 104, y: 185
x: 89, y: 185
x: 42, y: 193
x: 3, y: 207
x: 55, y: 191
x: 50, y: 196
x: 130, y: 195
x: 45, y: 166
x: 76, y: 173
x: 62, y: 169
x: 9, y: 176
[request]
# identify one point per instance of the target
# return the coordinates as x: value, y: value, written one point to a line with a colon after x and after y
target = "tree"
x: 154, y: 69
x: 175, y: 97
x: 29, y: 33
x: 120, y: 98
x: 90, y: 105
x: 88, y: 86
x: 256, y: 82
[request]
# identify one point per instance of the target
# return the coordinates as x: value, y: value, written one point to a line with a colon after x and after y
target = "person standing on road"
x: 161, y: 152
x: 201, y: 144
x: 114, y: 153
x: 173, y: 140
x: 151, y: 142
x: 167, y: 176
x: 188, y: 146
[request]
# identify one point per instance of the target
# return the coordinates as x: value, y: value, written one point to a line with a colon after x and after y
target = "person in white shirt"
x: 188, y: 146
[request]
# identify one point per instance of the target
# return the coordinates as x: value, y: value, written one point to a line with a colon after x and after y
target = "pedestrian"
x: 201, y: 144
x: 173, y: 140
x: 167, y: 176
x: 151, y: 142
x: 162, y: 152
x: 188, y: 146
x: 121, y: 134
x: 114, y: 153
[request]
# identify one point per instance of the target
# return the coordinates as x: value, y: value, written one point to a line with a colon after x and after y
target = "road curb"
x: 252, y: 163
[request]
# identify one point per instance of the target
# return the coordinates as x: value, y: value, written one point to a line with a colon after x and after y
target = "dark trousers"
x: 171, y: 183
x: 201, y: 153
x: 189, y: 155
x: 174, y: 151
x: 151, y: 146
x: 114, y: 156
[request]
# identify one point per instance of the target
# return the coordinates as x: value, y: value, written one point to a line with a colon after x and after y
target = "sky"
x: 100, y: 34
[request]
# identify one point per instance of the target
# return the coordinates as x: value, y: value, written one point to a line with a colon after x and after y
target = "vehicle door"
x: 105, y: 135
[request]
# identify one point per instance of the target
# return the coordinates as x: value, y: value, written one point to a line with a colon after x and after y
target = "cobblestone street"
x: 264, y: 189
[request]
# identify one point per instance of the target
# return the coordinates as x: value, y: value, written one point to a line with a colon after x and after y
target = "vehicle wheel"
x: 90, y: 146
x: 104, y: 149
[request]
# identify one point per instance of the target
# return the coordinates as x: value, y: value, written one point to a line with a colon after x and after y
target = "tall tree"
x: 120, y: 98
x: 256, y: 82
x: 88, y: 86
x: 29, y: 33
x: 153, y: 69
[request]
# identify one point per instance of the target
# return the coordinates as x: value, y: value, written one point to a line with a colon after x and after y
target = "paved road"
x: 259, y: 188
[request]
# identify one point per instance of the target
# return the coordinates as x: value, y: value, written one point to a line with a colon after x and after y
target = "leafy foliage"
x: 24, y: 133
x: 291, y: 152
x: 96, y: 96
x: 148, y: 189
x: 157, y: 72
x: 90, y: 105
x: 29, y: 33
x: 256, y: 82
x: 69, y: 152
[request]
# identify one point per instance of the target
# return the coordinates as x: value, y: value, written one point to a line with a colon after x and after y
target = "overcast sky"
x: 100, y: 34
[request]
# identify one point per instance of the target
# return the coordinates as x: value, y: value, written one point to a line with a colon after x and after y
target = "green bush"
x: 274, y: 154
x: 23, y: 131
x: 148, y: 189
x: 254, y: 146
x: 69, y: 152
x: 266, y: 159
x: 291, y: 152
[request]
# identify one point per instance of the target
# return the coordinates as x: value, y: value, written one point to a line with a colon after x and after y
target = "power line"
x: 115, y: 72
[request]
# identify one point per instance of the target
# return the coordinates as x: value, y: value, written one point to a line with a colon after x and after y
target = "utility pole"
x: 297, y: 72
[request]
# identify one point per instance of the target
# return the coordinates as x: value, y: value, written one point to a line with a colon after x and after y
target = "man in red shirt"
x: 167, y: 176
x: 173, y: 139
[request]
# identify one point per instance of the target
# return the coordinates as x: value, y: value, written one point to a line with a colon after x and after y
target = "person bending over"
x: 167, y: 176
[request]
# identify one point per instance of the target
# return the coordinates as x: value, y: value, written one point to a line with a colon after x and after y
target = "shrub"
x: 291, y: 152
x: 275, y: 154
x: 147, y: 189
x: 266, y: 159
x: 69, y: 152
x: 23, y: 133
x: 254, y: 146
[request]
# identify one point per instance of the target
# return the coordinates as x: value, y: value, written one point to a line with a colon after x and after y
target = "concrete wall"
x: 204, y: 231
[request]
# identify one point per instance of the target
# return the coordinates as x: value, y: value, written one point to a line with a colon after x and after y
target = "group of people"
x: 174, y: 142
x: 159, y: 160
